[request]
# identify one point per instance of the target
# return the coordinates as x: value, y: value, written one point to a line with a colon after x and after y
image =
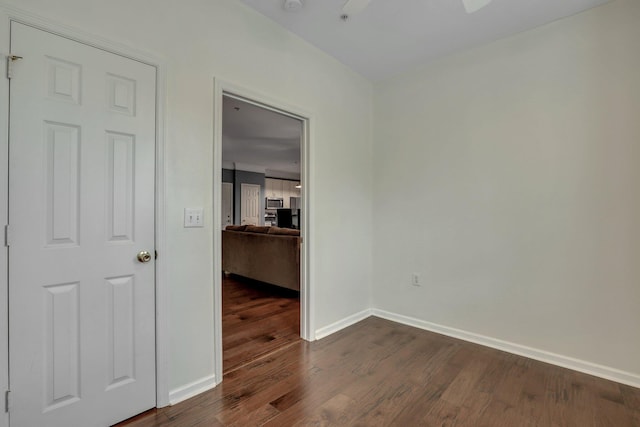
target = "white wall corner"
x: 342, y: 323
x: 601, y: 371
x: 190, y: 390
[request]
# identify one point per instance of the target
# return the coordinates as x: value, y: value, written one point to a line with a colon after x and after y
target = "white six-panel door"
x: 81, y: 207
x: 250, y: 204
x: 227, y: 204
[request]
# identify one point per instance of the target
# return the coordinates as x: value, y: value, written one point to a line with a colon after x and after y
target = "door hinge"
x: 7, y: 235
x: 7, y: 400
x: 10, y: 60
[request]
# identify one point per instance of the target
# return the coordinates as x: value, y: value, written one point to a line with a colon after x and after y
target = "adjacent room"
x: 320, y: 212
x: 261, y: 211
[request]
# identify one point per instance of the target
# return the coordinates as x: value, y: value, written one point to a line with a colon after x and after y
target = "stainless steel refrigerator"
x: 295, y: 203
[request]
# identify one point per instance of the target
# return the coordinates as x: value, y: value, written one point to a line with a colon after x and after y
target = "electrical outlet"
x: 415, y: 279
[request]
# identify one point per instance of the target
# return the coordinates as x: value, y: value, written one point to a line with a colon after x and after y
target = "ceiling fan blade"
x: 474, y: 5
x: 352, y: 7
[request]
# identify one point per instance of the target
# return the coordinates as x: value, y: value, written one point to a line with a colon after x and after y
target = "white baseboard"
x: 188, y: 391
x: 532, y: 353
x: 342, y: 323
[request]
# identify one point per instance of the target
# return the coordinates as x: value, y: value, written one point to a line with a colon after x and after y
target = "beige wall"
x: 200, y: 40
x: 508, y: 176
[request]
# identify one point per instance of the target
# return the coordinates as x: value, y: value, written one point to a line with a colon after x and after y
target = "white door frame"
x: 7, y: 15
x: 4, y: 212
x: 270, y: 102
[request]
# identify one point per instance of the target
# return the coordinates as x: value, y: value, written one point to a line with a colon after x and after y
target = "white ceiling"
x: 260, y: 139
x: 390, y: 36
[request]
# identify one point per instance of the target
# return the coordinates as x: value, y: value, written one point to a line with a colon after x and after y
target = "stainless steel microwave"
x: 276, y: 203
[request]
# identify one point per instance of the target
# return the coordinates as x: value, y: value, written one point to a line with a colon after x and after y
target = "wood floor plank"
x: 378, y: 373
x: 609, y: 405
x: 241, y: 418
x: 382, y: 404
x: 632, y: 403
x: 257, y: 319
x: 334, y: 412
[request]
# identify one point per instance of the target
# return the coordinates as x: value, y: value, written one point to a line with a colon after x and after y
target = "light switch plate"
x: 193, y: 217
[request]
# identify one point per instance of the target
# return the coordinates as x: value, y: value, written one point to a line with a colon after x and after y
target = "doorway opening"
x: 261, y: 292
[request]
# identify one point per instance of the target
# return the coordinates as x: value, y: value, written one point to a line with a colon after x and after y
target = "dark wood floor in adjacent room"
x: 256, y: 320
x: 379, y: 373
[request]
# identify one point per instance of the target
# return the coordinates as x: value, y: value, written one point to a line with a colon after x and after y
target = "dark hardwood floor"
x: 257, y: 319
x: 379, y: 373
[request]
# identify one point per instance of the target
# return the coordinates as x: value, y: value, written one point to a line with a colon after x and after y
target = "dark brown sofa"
x: 267, y: 254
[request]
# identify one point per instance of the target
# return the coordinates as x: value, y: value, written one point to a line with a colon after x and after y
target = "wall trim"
x: 342, y: 323
x: 590, y: 368
x: 190, y: 390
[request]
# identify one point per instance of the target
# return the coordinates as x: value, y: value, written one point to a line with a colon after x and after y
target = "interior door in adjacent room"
x: 250, y: 204
x: 227, y: 204
x: 81, y: 207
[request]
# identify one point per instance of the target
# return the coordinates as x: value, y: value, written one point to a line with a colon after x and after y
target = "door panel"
x: 227, y: 204
x: 250, y: 204
x: 81, y: 206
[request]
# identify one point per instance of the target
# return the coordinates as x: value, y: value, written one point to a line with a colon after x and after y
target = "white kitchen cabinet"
x: 278, y: 188
x: 268, y: 188
x: 273, y: 188
x: 293, y: 191
x: 281, y: 188
x: 286, y: 193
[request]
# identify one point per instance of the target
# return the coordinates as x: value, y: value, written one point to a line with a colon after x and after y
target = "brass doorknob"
x: 144, y: 256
